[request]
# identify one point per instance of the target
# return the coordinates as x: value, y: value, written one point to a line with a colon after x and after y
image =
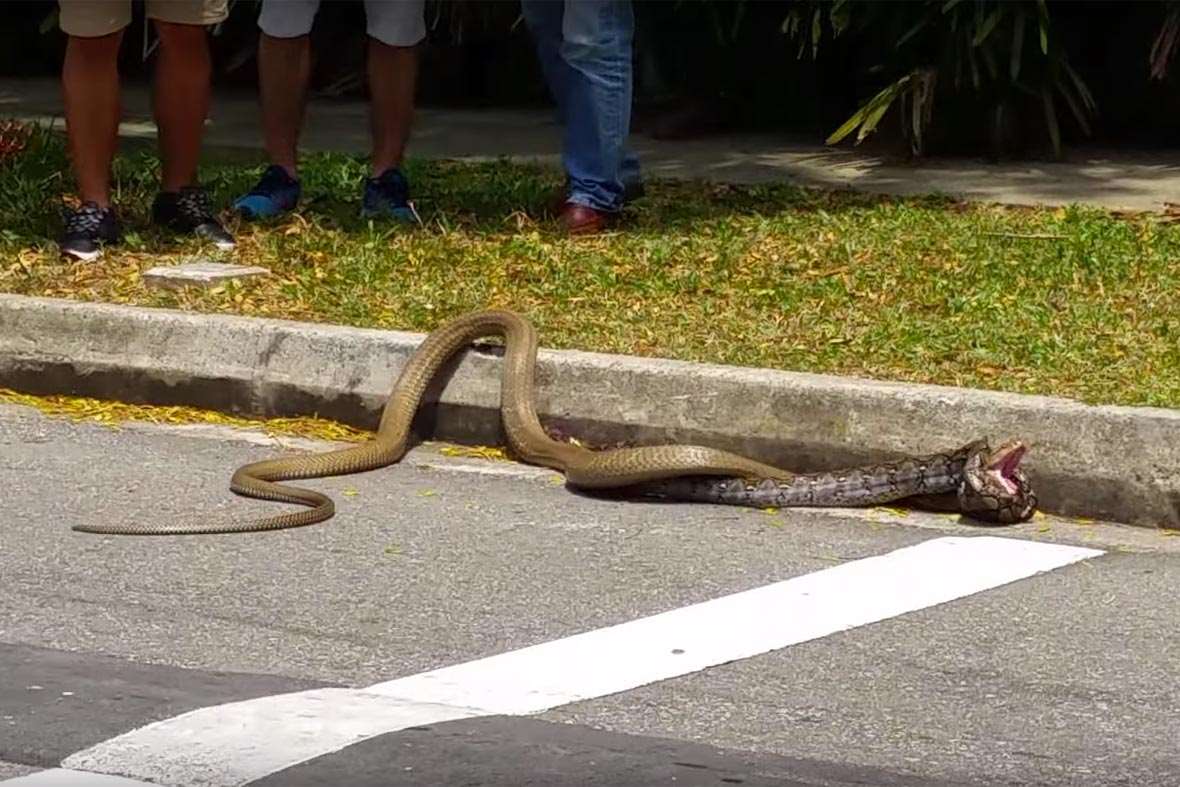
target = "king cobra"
x: 989, y: 485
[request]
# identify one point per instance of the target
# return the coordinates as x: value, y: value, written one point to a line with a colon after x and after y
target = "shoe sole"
x: 82, y: 256
x: 243, y: 209
x: 253, y: 215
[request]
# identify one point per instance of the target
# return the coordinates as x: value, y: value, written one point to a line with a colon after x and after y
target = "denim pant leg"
x: 591, y: 78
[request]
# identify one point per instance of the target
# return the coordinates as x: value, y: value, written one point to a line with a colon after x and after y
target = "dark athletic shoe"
x: 87, y: 229
x: 190, y: 210
x: 388, y: 196
x: 276, y: 192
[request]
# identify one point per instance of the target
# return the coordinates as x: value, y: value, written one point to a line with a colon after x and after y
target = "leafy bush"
x: 1007, y: 53
x: 14, y: 137
x: 961, y: 74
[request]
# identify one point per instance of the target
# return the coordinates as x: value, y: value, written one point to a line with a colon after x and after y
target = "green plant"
x: 14, y: 137
x: 1004, y: 51
x: 1166, y: 40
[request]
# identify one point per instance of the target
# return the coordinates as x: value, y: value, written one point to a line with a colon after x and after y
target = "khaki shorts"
x: 92, y: 18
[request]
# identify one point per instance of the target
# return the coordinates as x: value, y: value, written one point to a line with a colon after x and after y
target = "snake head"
x: 994, y: 488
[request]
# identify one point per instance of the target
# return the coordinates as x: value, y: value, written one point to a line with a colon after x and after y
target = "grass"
x: 1070, y: 302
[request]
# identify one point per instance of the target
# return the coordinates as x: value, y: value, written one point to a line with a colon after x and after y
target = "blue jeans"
x: 584, y: 47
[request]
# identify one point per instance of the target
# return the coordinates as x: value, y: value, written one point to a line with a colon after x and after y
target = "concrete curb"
x: 1113, y: 463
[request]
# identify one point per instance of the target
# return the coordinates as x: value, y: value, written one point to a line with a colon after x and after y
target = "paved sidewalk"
x: 1116, y: 180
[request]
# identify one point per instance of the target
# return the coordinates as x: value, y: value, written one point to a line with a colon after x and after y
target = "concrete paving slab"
x: 198, y: 273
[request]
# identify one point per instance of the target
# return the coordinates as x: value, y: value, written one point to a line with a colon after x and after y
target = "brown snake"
x: 988, y: 484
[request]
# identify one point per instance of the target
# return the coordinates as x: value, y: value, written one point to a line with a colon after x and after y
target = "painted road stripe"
x: 239, y: 742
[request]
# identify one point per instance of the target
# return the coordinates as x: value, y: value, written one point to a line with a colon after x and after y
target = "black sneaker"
x: 190, y: 210
x: 87, y: 228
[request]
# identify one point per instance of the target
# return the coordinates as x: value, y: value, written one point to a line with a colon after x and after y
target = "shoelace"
x: 86, y: 219
x: 194, y: 204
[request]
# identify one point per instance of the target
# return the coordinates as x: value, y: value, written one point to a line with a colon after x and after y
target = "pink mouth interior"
x: 1005, y: 467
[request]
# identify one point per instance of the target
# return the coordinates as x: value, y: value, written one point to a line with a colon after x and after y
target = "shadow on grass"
x: 490, y: 197
x: 494, y: 197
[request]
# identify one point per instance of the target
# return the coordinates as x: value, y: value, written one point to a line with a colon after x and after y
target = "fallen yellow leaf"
x: 477, y: 451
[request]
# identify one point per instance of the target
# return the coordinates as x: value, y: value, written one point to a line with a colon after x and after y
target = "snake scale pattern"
x: 988, y: 485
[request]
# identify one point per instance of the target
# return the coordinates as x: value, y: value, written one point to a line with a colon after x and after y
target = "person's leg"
x: 180, y: 103
x: 392, y: 80
x: 284, y: 70
x: 394, y: 30
x: 91, y: 97
x: 596, y: 45
x: 90, y: 87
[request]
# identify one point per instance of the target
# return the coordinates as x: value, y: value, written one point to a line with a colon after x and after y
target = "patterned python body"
x: 936, y: 474
x: 665, y: 469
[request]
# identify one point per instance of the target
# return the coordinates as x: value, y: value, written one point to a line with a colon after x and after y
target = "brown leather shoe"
x: 556, y: 202
x: 581, y: 220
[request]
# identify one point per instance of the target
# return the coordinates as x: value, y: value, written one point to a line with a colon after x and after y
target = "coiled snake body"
x: 988, y: 484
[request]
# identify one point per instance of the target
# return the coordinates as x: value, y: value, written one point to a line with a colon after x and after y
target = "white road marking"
x: 236, y: 743
x: 268, y: 734
x: 741, y: 625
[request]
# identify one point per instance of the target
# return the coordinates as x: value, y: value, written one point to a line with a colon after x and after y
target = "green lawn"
x: 907, y: 289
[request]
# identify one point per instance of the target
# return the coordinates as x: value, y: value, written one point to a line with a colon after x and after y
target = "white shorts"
x: 392, y: 22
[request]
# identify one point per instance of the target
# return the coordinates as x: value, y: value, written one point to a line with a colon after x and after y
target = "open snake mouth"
x: 1004, y: 462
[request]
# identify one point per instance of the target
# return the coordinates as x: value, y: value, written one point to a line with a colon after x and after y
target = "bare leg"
x: 284, y: 68
x: 393, y: 76
x: 90, y: 92
x: 180, y: 100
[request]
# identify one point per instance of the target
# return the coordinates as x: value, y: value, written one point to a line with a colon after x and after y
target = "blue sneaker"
x: 275, y: 193
x: 388, y: 196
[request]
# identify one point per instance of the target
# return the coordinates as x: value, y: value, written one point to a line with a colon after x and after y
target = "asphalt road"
x: 1068, y: 677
